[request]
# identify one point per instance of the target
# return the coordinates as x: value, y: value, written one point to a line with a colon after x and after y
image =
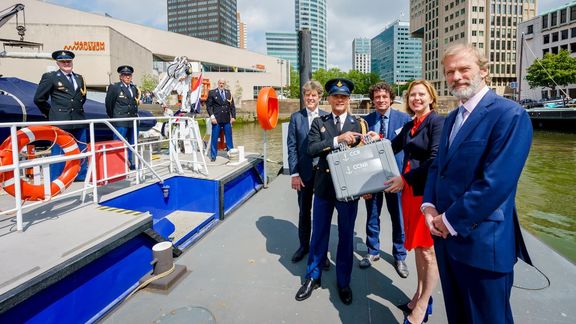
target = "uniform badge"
x: 323, y: 129
x: 60, y: 84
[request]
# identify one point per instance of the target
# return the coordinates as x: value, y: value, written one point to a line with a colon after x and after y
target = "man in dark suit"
x: 326, y: 134
x: 300, y: 162
x: 122, y: 99
x: 469, y: 196
x: 220, y: 107
x: 387, y: 122
x: 67, y: 93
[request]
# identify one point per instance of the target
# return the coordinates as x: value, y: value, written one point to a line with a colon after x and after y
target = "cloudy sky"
x: 346, y: 19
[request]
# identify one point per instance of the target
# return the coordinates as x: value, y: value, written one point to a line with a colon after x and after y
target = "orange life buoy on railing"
x: 40, y: 133
x: 267, y: 108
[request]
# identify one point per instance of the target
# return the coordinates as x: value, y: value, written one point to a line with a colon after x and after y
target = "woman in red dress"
x: 419, y: 139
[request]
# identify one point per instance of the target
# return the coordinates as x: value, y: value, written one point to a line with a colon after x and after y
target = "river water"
x: 546, y: 196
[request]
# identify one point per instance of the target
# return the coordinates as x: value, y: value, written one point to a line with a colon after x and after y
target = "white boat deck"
x: 242, y: 273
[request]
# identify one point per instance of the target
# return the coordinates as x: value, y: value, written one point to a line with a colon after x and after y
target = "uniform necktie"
x: 462, y: 112
x: 222, y: 95
x: 71, y: 81
x: 338, y: 125
x: 383, y: 128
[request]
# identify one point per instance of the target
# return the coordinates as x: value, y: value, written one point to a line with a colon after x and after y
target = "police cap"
x: 339, y: 86
x: 62, y: 55
x: 125, y: 69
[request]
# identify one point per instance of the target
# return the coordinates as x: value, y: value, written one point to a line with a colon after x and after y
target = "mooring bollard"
x: 162, y: 258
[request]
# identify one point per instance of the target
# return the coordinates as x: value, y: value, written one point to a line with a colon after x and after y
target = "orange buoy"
x: 267, y: 108
x: 40, y: 133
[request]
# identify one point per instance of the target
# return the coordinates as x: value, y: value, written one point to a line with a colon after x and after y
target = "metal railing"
x: 142, y: 166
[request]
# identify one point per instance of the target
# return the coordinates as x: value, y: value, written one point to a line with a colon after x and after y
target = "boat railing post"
x: 17, y: 187
x: 265, y: 157
x: 93, y: 163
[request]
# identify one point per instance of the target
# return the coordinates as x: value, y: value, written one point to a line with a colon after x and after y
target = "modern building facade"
x: 312, y: 14
x: 490, y: 25
x: 102, y: 43
x: 212, y: 20
x: 283, y: 45
x: 361, y: 55
x: 549, y: 32
x: 395, y: 56
x: 242, y: 33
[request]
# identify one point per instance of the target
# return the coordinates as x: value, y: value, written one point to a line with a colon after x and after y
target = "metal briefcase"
x: 362, y: 170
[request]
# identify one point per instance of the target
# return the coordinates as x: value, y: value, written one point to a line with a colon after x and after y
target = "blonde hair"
x: 313, y: 85
x: 431, y: 92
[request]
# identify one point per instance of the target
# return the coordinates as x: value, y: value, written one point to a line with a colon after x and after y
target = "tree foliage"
x: 148, y: 82
x: 362, y: 81
x: 552, y: 70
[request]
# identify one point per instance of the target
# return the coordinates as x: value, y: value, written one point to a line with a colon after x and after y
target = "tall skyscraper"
x: 242, y: 33
x: 361, y: 55
x: 490, y: 25
x: 396, y: 57
x: 213, y: 20
x: 283, y: 45
x: 312, y: 14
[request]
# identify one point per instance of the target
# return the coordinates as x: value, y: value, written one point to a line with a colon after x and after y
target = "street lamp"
x: 281, y: 62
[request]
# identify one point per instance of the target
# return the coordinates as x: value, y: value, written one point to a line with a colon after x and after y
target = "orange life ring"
x: 267, y: 108
x: 40, y: 133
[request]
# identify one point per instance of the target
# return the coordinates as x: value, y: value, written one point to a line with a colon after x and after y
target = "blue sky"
x: 346, y: 19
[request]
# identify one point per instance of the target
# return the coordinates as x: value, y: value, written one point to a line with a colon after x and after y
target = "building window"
x: 553, y: 18
x: 546, y: 39
x: 545, y: 21
x: 563, y: 16
x: 554, y: 36
x: 564, y: 34
x: 530, y: 29
x: 545, y: 51
x: 572, y: 13
x: 572, y: 47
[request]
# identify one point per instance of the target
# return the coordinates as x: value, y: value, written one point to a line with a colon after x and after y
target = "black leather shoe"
x: 326, y: 265
x: 345, y: 295
x: 299, y: 254
x: 306, y: 290
x: 401, y: 269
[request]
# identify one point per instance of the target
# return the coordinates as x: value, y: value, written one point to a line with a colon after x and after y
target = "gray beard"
x: 464, y: 94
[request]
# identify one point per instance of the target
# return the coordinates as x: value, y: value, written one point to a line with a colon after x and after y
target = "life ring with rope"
x: 31, y: 134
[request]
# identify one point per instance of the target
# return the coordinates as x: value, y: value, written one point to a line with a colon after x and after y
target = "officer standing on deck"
x: 67, y: 93
x: 326, y: 134
x: 122, y: 101
x: 222, y: 112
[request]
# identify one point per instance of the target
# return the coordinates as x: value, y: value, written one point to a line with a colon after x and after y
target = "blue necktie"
x: 338, y: 125
x: 383, y: 127
x: 222, y: 95
x: 71, y: 81
x: 457, y: 123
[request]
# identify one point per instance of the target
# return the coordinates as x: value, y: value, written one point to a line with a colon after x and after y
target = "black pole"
x: 304, y: 59
x: 520, y: 67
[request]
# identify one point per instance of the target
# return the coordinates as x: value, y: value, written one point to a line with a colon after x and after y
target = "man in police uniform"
x: 220, y: 107
x: 122, y: 101
x: 326, y: 134
x: 67, y: 93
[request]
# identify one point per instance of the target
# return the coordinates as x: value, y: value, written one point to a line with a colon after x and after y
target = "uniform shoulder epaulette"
x: 325, y: 117
x: 363, y: 124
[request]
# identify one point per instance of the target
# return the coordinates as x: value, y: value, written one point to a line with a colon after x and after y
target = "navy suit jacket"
x: 474, y: 183
x: 299, y: 161
x: 397, y: 120
x: 420, y: 149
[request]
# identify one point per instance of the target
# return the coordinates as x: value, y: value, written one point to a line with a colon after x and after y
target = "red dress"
x: 416, y: 233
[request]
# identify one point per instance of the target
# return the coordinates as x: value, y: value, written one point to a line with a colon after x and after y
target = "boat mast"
x: 520, y: 67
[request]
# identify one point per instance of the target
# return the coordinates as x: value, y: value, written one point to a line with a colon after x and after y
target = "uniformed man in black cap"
x: 326, y: 134
x: 67, y: 93
x: 122, y: 101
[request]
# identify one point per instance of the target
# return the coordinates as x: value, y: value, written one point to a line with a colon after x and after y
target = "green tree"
x: 362, y: 81
x: 294, y: 92
x: 552, y: 70
x: 322, y: 75
x: 148, y: 82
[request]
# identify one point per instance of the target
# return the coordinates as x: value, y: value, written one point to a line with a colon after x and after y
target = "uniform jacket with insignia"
x: 65, y: 102
x: 320, y: 141
x: 121, y: 104
x: 222, y: 109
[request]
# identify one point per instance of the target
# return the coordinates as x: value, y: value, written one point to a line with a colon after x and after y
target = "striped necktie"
x: 383, y: 128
